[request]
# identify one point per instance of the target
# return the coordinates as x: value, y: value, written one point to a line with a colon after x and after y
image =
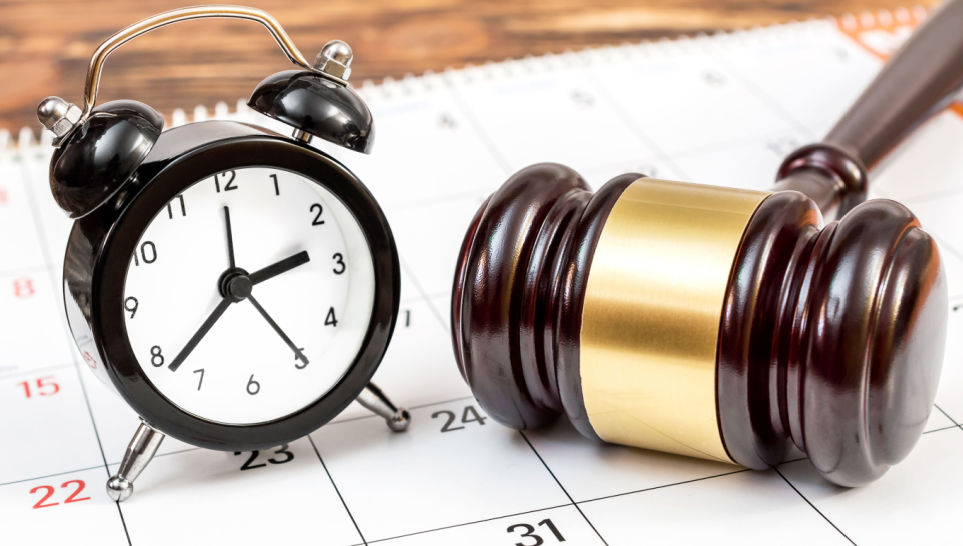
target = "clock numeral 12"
x: 228, y: 177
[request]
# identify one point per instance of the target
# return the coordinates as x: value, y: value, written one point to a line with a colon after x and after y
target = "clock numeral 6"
x: 148, y: 253
x: 253, y: 387
x: 339, y: 265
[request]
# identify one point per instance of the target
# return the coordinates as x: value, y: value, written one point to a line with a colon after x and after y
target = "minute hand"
x: 277, y: 268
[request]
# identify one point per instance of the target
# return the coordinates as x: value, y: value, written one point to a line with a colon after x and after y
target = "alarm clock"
x: 237, y: 287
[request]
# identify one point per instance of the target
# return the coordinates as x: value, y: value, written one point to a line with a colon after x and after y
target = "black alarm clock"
x: 237, y: 287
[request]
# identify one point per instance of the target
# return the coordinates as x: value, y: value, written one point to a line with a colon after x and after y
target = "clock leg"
x: 374, y: 399
x: 139, y: 453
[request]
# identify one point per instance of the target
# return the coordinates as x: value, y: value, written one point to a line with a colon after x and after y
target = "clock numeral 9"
x: 228, y: 177
x: 148, y: 253
x: 339, y: 265
x: 156, y: 356
x: 317, y: 217
x: 253, y: 387
x: 130, y: 305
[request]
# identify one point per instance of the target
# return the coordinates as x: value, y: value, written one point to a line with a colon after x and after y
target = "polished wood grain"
x: 45, y: 44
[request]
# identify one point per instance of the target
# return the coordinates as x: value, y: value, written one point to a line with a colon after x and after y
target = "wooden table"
x: 45, y: 44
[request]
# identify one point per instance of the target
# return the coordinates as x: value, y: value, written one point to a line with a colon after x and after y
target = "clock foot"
x: 139, y: 452
x: 374, y: 399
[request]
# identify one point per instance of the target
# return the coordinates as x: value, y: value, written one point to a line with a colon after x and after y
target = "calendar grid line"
x: 813, y: 506
x: 336, y: 490
x: 627, y: 121
x: 33, y: 371
x: 664, y: 486
x: 418, y: 286
x: 45, y: 252
x: 417, y: 406
x: 765, y: 99
x: 473, y: 522
x: 562, y: 487
x: 53, y: 475
x: 954, y: 421
x: 21, y: 270
x: 475, y: 124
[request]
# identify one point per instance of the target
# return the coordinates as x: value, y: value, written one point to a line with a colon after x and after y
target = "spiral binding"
x: 389, y: 87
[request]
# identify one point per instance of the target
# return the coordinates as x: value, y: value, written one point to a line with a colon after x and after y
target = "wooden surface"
x: 45, y: 45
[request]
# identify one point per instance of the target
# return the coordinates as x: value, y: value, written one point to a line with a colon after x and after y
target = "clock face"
x: 249, y: 295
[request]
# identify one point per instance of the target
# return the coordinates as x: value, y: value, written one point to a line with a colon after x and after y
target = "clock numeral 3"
x: 339, y: 265
x: 228, y: 178
x: 317, y: 217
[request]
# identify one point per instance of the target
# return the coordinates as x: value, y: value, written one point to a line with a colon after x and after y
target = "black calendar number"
x: 532, y: 538
x: 468, y: 415
x: 280, y: 456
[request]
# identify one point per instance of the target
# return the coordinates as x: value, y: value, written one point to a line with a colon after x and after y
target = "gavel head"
x: 705, y: 321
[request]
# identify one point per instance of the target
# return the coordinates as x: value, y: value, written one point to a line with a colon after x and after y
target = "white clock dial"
x: 276, y: 351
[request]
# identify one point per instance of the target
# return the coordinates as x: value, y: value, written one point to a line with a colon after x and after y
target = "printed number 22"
x: 42, y: 503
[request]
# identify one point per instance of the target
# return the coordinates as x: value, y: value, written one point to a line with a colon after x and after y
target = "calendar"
x: 720, y: 109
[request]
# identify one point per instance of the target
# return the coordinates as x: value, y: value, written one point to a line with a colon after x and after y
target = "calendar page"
x: 720, y: 110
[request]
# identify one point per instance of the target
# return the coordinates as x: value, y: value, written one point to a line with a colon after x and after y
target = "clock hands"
x: 277, y: 268
x: 230, y: 237
x: 235, y: 285
x: 201, y: 332
x: 280, y: 332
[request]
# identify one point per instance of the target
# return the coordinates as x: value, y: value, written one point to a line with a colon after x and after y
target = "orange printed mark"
x: 881, y: 34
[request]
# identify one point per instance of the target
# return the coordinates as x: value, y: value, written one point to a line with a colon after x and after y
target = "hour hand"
x: 199, y: 335
x: 277, y: 268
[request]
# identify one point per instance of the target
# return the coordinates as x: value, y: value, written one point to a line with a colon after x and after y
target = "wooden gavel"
x: 716, y: 322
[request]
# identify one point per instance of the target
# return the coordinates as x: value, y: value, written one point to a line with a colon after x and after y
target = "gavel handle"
x: 921, y: 79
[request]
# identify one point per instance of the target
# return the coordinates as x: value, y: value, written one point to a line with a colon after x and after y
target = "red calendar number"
x: 23, y: 288
x: 42, y: 386
x: 4, y: 198
x: 90, y: 360
x: 42, y: 503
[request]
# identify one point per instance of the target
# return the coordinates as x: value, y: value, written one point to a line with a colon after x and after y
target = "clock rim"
x: 110, y: 271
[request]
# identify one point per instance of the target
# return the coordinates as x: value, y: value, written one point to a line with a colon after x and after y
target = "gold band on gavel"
x: 650, y: 323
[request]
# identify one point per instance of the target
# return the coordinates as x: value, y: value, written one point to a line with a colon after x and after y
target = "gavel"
x: 722, y: 323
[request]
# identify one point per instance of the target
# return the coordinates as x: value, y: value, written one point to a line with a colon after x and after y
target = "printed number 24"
x: 468, y: 415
